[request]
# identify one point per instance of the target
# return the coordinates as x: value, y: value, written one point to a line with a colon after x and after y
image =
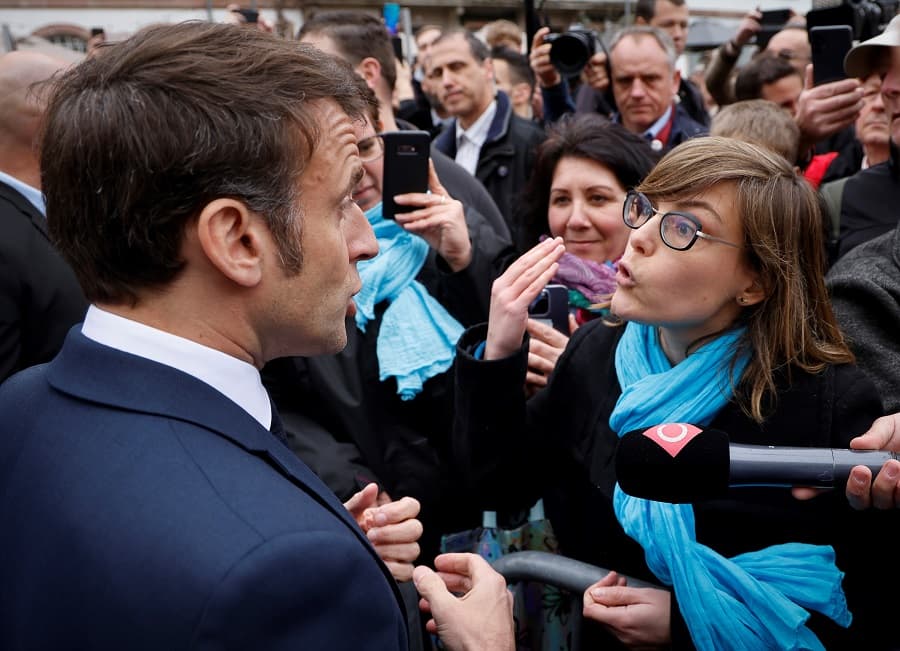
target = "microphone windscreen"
x: 673, y: 462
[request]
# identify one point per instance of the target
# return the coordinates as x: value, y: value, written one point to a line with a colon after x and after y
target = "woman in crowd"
x: 582, y: 172
x: 724, y: 323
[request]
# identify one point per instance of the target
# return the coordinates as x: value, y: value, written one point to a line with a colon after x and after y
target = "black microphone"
x: 681, y: 463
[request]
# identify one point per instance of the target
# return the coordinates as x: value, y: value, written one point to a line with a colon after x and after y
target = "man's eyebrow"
x: 355, y: 178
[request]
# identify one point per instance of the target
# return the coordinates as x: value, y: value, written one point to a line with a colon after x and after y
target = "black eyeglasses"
x: 371, y: 148
x: 678, y: 230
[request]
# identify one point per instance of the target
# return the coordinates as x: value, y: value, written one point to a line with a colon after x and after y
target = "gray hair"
x: 635, y: 31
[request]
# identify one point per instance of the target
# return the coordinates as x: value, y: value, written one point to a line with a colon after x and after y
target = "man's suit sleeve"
x: 303, y: 590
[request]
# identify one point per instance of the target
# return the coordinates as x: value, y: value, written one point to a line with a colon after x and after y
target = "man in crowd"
x: 771, y: 78
x: 362, y: 41
x: 147, y: 501
x: 671, y: 16
x: 514, y: 76
x: 644, y: 84
x: 486, y: 137
x: 869, y: 198
x: 39, y: 296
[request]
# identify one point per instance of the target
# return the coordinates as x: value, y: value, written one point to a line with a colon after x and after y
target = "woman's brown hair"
x: 793, y: 326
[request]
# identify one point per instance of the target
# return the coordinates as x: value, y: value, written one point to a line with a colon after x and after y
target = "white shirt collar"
x: 657, y: 126
x: 239, y: 381
x: 477, y: 133
x: 34, y: 196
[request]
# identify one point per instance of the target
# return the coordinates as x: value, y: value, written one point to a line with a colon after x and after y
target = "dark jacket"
x: 865, y: 293
x: 505, y: 161
x: 352, y: 428
x: 40, y: 298
x: 143, y: 510
x: 559, y: 445
x: 869, y: 203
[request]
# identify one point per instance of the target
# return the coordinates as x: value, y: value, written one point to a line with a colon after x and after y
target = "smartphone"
x: 97, y: 31
x: 406, y: 156
x: 830, y: 44
x: 776, y: 17
x: 552, y: 307
x: 250, y: 15
x: 397, y: 44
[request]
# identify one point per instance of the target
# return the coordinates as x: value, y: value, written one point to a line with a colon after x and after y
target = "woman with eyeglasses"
x: 581, y: 174
x: 724, y: 322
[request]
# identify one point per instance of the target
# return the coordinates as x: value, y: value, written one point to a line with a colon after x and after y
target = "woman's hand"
x: 546, y: 345
x: 638, y: 617
x: 514, y: 291
x: 440, y: 221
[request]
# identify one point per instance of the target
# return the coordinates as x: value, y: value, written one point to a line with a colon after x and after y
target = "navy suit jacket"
x: 141, y: 509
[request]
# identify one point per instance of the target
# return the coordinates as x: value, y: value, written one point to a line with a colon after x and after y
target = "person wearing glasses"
x: 722, y: 321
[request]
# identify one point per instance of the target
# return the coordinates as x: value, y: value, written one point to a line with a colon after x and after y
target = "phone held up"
x: 552, y: 307
x: 830, y: 44
x: 406, y: 156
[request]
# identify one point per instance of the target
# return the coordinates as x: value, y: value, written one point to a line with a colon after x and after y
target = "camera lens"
x: 571, y: 51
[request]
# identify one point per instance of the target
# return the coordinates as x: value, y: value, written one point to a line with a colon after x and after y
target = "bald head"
x: 22, y: 102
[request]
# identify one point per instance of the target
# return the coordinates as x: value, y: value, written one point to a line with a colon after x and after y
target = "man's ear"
x: 230, y: 237
x: 489, y: 68
x: 370, y: 70
x: 676, y: 81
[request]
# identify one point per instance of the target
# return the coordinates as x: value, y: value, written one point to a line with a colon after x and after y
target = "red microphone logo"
x: 672, y: 437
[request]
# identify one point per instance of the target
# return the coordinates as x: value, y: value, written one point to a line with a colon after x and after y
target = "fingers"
x: 884, y: 434
x: 361, y: 501
x: 859, y: 486
x: 546, y: 334
x: 573, y: 324
x: 402, y: 532
x: 886, y: 487
x: 400, y: 571
x: 431, y: 587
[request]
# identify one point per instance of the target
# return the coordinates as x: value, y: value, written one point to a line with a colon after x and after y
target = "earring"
x: 742, y: 300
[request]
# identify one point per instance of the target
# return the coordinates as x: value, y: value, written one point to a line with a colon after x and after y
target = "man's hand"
x: 884, y: 492
x: 391, y: 527
x: 478, y: 620
x: 545, y: 72
x: 824, y: 110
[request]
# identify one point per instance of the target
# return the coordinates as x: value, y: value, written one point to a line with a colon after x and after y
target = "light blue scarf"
x: 417, y: 339
x: 758, y: 600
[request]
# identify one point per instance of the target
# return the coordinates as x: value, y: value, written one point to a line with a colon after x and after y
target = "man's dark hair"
x: 765, y: 68
x: 646, y: 9
x: 590, y: 137
x: 520, y: 71
x: 141, y: 137
x: 356, y: 35
x: 477, y: 48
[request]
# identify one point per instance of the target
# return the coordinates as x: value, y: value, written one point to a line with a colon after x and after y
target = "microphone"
x: 681, y: 463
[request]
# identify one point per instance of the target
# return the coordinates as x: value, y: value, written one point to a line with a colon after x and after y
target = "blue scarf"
x: 417, y: 339
x: 757, y: 600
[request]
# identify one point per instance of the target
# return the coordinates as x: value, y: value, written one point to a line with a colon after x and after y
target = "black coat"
x: 505, y: 162
x: 559, y: 446
x: 40, y: 298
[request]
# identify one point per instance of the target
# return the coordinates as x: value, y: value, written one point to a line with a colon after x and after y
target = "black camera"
x: 867, y: 18
x: 571, y: 50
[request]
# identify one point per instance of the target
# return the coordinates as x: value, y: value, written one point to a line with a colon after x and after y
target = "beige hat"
x: 860, y: 60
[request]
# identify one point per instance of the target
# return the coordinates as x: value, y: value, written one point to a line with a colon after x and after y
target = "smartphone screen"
x: 552, y: 307
x: 830, y: 44
x: 776, y: 17
x: 406, y: 156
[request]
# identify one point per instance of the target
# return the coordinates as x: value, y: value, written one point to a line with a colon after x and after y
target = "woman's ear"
x: 754, y: 293
x: 230, y: 237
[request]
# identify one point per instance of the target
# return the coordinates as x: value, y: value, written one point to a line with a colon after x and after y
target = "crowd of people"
x: 244, y: 404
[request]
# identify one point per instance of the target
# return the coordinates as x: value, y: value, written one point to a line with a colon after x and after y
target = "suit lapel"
x: 90, y: 371
x: 25, y: 207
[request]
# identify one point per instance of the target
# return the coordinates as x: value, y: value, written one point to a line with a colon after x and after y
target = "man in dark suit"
x: 39, y: 296
x: 198, y: 180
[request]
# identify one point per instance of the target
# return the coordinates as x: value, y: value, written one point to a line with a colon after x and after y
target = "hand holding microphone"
x: 681, y: 463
